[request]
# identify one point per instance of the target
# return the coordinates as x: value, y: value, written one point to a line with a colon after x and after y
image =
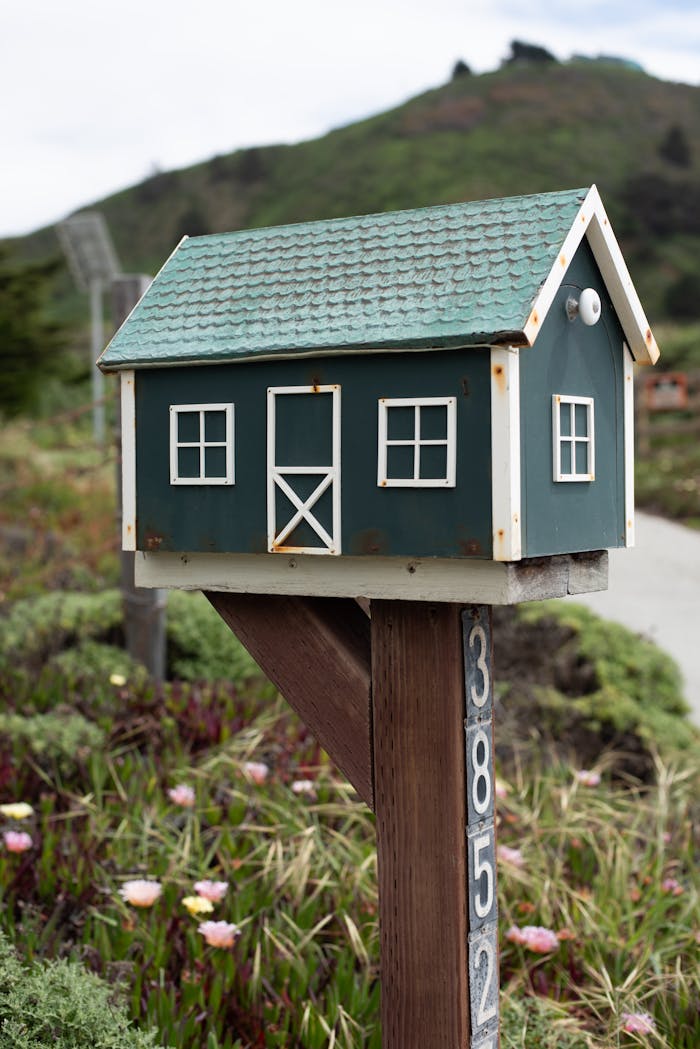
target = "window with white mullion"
x: 405, y: 423
x: 201, y: 444
x: 573, y: 438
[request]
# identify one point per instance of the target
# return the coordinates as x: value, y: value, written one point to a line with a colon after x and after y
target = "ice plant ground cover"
x: 290, y: 955
x: 605, y: 871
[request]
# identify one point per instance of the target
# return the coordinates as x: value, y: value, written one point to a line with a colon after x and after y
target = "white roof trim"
x: 593, y: 223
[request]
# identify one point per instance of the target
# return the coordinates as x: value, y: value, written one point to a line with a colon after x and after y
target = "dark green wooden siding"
x: 411, y: 522
x: 572, y: 359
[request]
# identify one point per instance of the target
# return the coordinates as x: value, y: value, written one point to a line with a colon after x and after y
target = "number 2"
x: 485, y: 1011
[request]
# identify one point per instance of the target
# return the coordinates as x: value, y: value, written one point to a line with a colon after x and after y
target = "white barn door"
x: 303, y: 469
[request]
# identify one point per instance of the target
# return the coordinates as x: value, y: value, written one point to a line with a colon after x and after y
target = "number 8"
x: 481, y: 771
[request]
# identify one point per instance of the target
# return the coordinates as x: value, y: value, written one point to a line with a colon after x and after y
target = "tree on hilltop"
x: 522, y: 52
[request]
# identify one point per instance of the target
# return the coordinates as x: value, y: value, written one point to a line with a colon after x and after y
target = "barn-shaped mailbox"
x: 413, y: 404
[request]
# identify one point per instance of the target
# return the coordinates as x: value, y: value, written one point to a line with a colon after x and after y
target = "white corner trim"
x: 592, y: 222
x: 505, y: 454
x: 628, y: 380
x: 128, y: 441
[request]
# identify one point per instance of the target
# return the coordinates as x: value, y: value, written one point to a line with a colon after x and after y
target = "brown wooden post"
x: 421, y: 811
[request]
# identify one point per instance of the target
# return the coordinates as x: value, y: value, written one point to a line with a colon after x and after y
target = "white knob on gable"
x: 589, y: 306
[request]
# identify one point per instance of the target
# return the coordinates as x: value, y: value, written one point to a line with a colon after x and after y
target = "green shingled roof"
x: 455, y: 275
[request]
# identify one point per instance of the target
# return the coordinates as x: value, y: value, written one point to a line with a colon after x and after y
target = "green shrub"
x: 62, y: 1006
x: 200, y: 645
x: 538, y: 1023
x: 39, y: 632
x: 58, y: 738
x: 37, y: 627
x: 568, y: 676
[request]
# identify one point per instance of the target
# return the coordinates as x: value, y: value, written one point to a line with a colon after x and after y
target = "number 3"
x: 478, y: 631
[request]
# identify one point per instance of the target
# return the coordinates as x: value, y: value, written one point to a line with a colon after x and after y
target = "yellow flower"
x: 16, y: 810
x: 117, y: 679
x: 198, y: 905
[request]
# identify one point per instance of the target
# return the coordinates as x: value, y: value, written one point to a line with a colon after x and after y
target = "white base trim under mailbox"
x: 393, y: 578
x: 128, y: 440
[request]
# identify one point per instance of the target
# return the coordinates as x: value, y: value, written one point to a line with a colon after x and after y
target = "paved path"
x: 654, y: 589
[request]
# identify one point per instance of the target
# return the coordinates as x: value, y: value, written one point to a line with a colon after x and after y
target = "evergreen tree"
x: 31, y: 344
x: 675, y: 147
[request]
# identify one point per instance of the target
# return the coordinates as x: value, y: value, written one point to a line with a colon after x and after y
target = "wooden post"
x: 144, y: 609
x: 421, y: 810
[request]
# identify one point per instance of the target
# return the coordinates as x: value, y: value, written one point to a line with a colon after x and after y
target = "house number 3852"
x: 481, y: 844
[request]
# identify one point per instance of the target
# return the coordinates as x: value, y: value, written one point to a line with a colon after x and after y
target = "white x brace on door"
x: 294, y: 489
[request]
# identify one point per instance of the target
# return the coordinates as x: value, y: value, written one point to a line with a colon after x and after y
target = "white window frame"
x: 417, y: 442
x: 282, y: 478
x: 202, y: 444
x: 573, y: 439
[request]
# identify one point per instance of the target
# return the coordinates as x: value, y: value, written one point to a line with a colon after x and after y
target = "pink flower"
x: 182, y: 795
x: 587, y: 777
x: 502, y: 789
x: 672, y: 886
x: 211, y: 890
x: 508, y: 855
x: 219, y: 934
x: 303, y: 786
x: 141, y: 892
x: 17, y: 840
x: 638, y: 1023
x: 257, y: 771
x: 534, y: 938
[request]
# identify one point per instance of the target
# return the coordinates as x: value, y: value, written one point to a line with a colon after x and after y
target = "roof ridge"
x: 389, y: 217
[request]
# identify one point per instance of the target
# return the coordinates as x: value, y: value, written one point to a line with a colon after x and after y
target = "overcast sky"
x: 97, y: 95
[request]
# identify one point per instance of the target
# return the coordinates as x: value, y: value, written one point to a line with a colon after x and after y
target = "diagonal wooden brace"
x: 316, y: 651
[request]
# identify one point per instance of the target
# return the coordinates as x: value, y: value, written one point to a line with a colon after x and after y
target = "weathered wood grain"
x: 420, y: 804
x: 316, y: 651
x: 392, y: 578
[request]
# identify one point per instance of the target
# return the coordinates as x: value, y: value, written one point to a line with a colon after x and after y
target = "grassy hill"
x: 527, y: 127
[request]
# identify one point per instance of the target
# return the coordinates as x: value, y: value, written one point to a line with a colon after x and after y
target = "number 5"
x: 482, y: 907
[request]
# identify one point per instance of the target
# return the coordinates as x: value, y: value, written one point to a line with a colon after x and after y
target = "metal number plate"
x: 483, y: 984
x: 481, y: 839
x: 480, y: 777
x: 477, y: 664
x: 483, y: 907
